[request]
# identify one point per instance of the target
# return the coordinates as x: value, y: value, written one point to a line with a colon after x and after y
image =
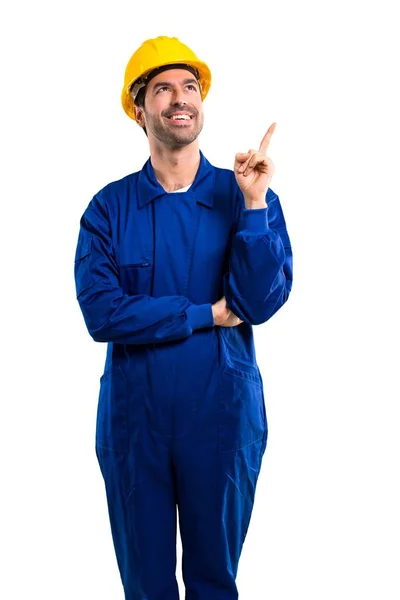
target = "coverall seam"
x: 196, y: 222
x: 242, y: 447
x: 242, y: 374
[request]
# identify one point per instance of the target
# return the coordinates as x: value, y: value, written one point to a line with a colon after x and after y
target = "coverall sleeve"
x: 109, y: 314
x: 259, y: 277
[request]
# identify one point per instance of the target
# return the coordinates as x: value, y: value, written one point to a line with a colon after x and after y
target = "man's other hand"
x: 223, y: 316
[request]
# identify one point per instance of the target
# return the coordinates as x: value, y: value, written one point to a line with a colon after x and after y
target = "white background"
x: 326, y: 517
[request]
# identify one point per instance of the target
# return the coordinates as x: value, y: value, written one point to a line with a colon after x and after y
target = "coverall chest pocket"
x: 112, y: 411
x: 136, y: 278
x: 241, y: 409
x: 135, y: 267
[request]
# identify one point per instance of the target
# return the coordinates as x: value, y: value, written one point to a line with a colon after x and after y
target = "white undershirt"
x: 184, y: 189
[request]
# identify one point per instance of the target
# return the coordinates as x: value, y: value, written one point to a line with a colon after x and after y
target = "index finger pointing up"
x: 266, y: 139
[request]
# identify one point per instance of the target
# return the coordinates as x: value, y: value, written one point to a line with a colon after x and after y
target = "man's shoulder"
x: 224, y: 178
x: 113, y: 195
x: 224, y: 175
x: 115, y: 187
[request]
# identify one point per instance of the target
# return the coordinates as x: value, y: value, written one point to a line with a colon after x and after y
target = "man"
x: 174, y: 264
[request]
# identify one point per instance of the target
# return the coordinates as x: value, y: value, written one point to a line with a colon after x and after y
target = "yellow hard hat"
x: 159, y: 52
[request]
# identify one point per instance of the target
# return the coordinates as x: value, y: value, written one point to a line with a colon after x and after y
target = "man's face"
x: 173, y: 111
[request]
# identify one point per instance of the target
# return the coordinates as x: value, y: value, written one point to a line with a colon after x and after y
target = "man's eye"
x: 193, y: 87
x: 165, y: 87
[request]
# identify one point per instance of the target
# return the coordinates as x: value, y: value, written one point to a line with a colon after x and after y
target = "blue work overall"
x: 181, y: 422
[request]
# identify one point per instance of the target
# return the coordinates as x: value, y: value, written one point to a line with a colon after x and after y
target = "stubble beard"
x: 171, y: 138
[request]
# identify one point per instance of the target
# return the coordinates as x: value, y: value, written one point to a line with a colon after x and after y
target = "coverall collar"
x: 202, y: 188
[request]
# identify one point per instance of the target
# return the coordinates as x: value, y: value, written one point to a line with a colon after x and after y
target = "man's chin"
x: 177, y: 138
x: 181, y: 138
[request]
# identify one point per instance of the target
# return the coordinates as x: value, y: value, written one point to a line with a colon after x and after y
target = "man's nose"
x: 178, y: 97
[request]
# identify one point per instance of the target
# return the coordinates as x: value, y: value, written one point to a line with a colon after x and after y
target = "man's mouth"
x: 180, y: 117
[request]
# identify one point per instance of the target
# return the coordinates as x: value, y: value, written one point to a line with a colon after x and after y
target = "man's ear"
x: 139, y: 115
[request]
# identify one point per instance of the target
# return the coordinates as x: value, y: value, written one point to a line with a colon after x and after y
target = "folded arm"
x: 110, y: 314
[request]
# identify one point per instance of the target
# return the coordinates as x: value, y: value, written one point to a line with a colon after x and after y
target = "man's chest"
x: 170, y: 242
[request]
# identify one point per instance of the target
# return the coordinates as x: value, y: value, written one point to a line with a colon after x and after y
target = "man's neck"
x: 175, y: 169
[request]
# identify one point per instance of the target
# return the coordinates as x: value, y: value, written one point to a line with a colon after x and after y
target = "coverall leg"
x: 141, y: 501
x: 215, y: 490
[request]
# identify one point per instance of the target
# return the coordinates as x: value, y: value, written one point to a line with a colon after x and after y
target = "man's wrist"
x: 254, y: 203
x: 215, y: 313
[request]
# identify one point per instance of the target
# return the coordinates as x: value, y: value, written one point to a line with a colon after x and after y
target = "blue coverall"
x: 181, y: 420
